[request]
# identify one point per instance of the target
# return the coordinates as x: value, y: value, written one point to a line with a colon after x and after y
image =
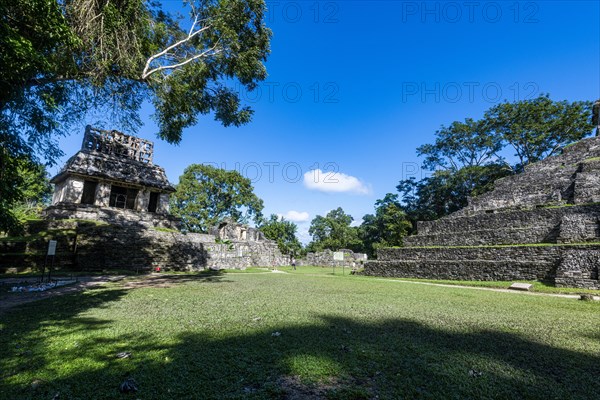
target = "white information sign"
x: 338, y: 256
x: 52, y: 247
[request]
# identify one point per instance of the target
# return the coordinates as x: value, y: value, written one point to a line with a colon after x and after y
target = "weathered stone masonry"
x: 111, y: 210
x: 134, y: 247
x: 531, y: 226
x: 91, y: 246
x: 325, y: 259
x: 112, y: 172
x: 575, y: 265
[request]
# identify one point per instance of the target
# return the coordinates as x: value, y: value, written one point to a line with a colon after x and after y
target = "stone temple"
x: 112, y: 178
x: 542, y: 224
x: 110, y: 210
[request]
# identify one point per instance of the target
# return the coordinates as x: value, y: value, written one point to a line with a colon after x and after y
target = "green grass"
x: 571, y: 205
x: 578, y: 244
x: 161, y: 229
x: 49, y: 234
x: 28, y: 238
x: 210, y: 335
x: 538, y: 287
x: 90, y: 222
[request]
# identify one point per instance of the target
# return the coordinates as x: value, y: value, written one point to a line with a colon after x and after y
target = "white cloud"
x: 334, y: 182
x: 295, y: 216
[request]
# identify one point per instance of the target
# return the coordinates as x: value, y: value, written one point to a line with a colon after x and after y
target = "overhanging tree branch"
x: 210, y: 52
x: 177, y: 45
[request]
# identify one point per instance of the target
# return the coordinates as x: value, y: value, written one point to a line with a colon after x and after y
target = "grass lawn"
x: 306, y: 334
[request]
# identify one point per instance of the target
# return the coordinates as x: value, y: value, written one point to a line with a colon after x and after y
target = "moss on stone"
x: 161, y: 229
x: 500, y: 245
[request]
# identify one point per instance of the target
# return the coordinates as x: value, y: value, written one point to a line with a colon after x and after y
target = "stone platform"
x: 564, y: 265
x: 542, y: 224
x: 96, y: 246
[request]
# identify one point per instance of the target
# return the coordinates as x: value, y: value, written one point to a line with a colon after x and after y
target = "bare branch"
x: 189, y: 60
x: 193, y: 26
x: 148, y: 71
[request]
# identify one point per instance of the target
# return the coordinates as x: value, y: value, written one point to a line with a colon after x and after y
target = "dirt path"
x: 566, y: 296
x: 10, y: 300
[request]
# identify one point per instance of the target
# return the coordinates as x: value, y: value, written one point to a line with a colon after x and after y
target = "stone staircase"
x: 543, y: 224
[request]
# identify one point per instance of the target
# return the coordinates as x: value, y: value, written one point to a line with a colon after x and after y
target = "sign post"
x: 338, y: 256
x: 51, y: 253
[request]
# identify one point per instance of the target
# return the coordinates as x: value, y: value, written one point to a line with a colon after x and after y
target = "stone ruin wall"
x: 567, y: 224
x: 565, y: 266
x: 94, y: 246
x: 116, y: 247
x: 118, y: 144
x: 572, y: 177
x: 87, y: 212
x: 325, y: 259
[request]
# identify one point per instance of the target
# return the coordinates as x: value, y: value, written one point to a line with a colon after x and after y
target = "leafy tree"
x: 539, y: 128
x: 24, y: 187
x: 333, y: 232
x: 284, y: 233
x: 206, y: 195
x: 465, y: 159
x: 121, y: 53
x: 387, y: 227
x: 446, y: 191
x: 10, y: 194
x: 462, y: 144
x: 35, y: 189
x: 65, y: 61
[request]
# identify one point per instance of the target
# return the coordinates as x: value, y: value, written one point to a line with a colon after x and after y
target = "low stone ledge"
x: 546, y: 224
x: 565, y: 265
x: 470, y: 270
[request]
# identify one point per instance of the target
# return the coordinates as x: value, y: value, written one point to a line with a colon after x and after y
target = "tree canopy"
x: 65, y: 61
x: 333, y: 232
x: 284, y: 233
x: 206, y: 195
x: 462, y: 144
x: 386, y: 227
x: 467, y: 157
x: 538, y: 128
x: 117, y: 54
x: 24, y: 188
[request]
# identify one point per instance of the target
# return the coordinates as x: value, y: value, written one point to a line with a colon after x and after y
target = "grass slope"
x: 306, y: 334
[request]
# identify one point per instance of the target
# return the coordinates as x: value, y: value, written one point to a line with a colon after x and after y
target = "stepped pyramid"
x: 542, y: 224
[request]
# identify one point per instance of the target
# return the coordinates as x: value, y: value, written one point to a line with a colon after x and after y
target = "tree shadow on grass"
x: 20, y: 326
x: 336, y: 358
x: 171, y: 280
x: 136, y: 247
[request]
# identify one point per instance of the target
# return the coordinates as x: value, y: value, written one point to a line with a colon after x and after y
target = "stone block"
x: 521, y: 286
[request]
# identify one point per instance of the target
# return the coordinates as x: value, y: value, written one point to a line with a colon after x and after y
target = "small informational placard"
x: 52, y: 247
x: 338, y: 256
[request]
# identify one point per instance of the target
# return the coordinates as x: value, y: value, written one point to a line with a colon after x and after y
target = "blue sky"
x: 355, y: 86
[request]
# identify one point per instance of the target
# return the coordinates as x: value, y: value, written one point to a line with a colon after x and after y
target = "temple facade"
x: 112, y: 178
